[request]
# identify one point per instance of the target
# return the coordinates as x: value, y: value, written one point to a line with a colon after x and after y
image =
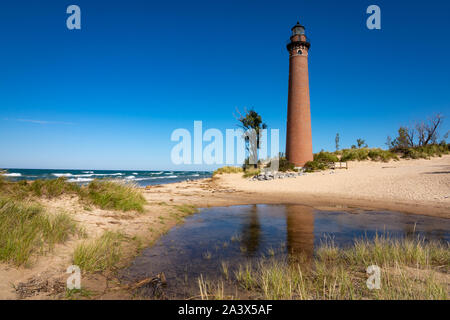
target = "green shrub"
x: 326, y: 157
x: 424, y: 152
x: 311, y: 166
x: 283, y: 165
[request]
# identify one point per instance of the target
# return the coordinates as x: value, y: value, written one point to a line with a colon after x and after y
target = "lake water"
x: 240, y: 234
x: 139, y: 177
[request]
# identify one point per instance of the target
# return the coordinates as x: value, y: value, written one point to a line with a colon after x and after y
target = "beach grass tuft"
x: 114, y: 195
x: 228, y: 169
x: 186, y: 209
x: 25, y: 229
x: 99, y: 254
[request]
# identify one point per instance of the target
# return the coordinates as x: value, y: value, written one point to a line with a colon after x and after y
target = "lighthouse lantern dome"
x: 298, y: 29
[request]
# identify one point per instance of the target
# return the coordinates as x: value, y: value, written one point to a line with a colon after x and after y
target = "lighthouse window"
x: 299, y: 52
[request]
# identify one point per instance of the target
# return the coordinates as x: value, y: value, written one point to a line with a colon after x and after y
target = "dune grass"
x: 361, y: 154
x: 25, y: 228
x: 227, y: 169
x: 100, y: 254
x: 323, y: 158
x: 105, y: 194
x: 50, y: 188
x: 251, y: 172
x: 113, y: 195
x: 410, y: 269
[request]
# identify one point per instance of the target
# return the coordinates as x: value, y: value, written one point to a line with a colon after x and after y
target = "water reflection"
x: 251, y: 231
x: 242, y: 234
x: 300, y: 230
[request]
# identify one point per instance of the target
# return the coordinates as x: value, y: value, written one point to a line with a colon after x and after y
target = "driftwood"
x: 155, y: 282
x: 159, y: 280
x: 36, y: 286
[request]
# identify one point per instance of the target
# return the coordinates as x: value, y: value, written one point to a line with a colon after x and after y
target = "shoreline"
x: 408, y: 186
x: 168, y: 204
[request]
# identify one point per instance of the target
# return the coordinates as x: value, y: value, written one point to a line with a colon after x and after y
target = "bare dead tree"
x: 410, y: 132
x: 431, y: 129
x: 420, y: 129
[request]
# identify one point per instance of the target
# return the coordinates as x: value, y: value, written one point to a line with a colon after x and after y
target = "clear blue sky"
x: 109, y: 95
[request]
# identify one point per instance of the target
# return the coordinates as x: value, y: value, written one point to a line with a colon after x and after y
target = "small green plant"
x: 186, y: 209
x: 74, y: 294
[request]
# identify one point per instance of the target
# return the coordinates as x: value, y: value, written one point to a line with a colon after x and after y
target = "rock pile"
x: 276, y: 175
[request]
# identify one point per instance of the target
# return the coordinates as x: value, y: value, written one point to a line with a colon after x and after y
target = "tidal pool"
x: 240, y: 234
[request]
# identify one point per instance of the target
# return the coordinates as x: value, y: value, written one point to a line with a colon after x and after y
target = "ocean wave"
x: 12, y: 174
x: 80, y: 180
x: 130, y: 177
x: 67, y: 175
x: 171, y: 172
x: 195, y: 175
x: 88, y: 171
x: 135, y: 173
x: 154, y: 178
x: 62, y: 175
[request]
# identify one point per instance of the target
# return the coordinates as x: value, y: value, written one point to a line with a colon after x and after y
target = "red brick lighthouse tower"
x: 298, y: 136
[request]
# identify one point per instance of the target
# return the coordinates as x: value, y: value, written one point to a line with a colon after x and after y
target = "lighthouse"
x: 298, y: 135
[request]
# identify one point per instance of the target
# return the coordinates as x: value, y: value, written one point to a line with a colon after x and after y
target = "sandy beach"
x: 410, y: 186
